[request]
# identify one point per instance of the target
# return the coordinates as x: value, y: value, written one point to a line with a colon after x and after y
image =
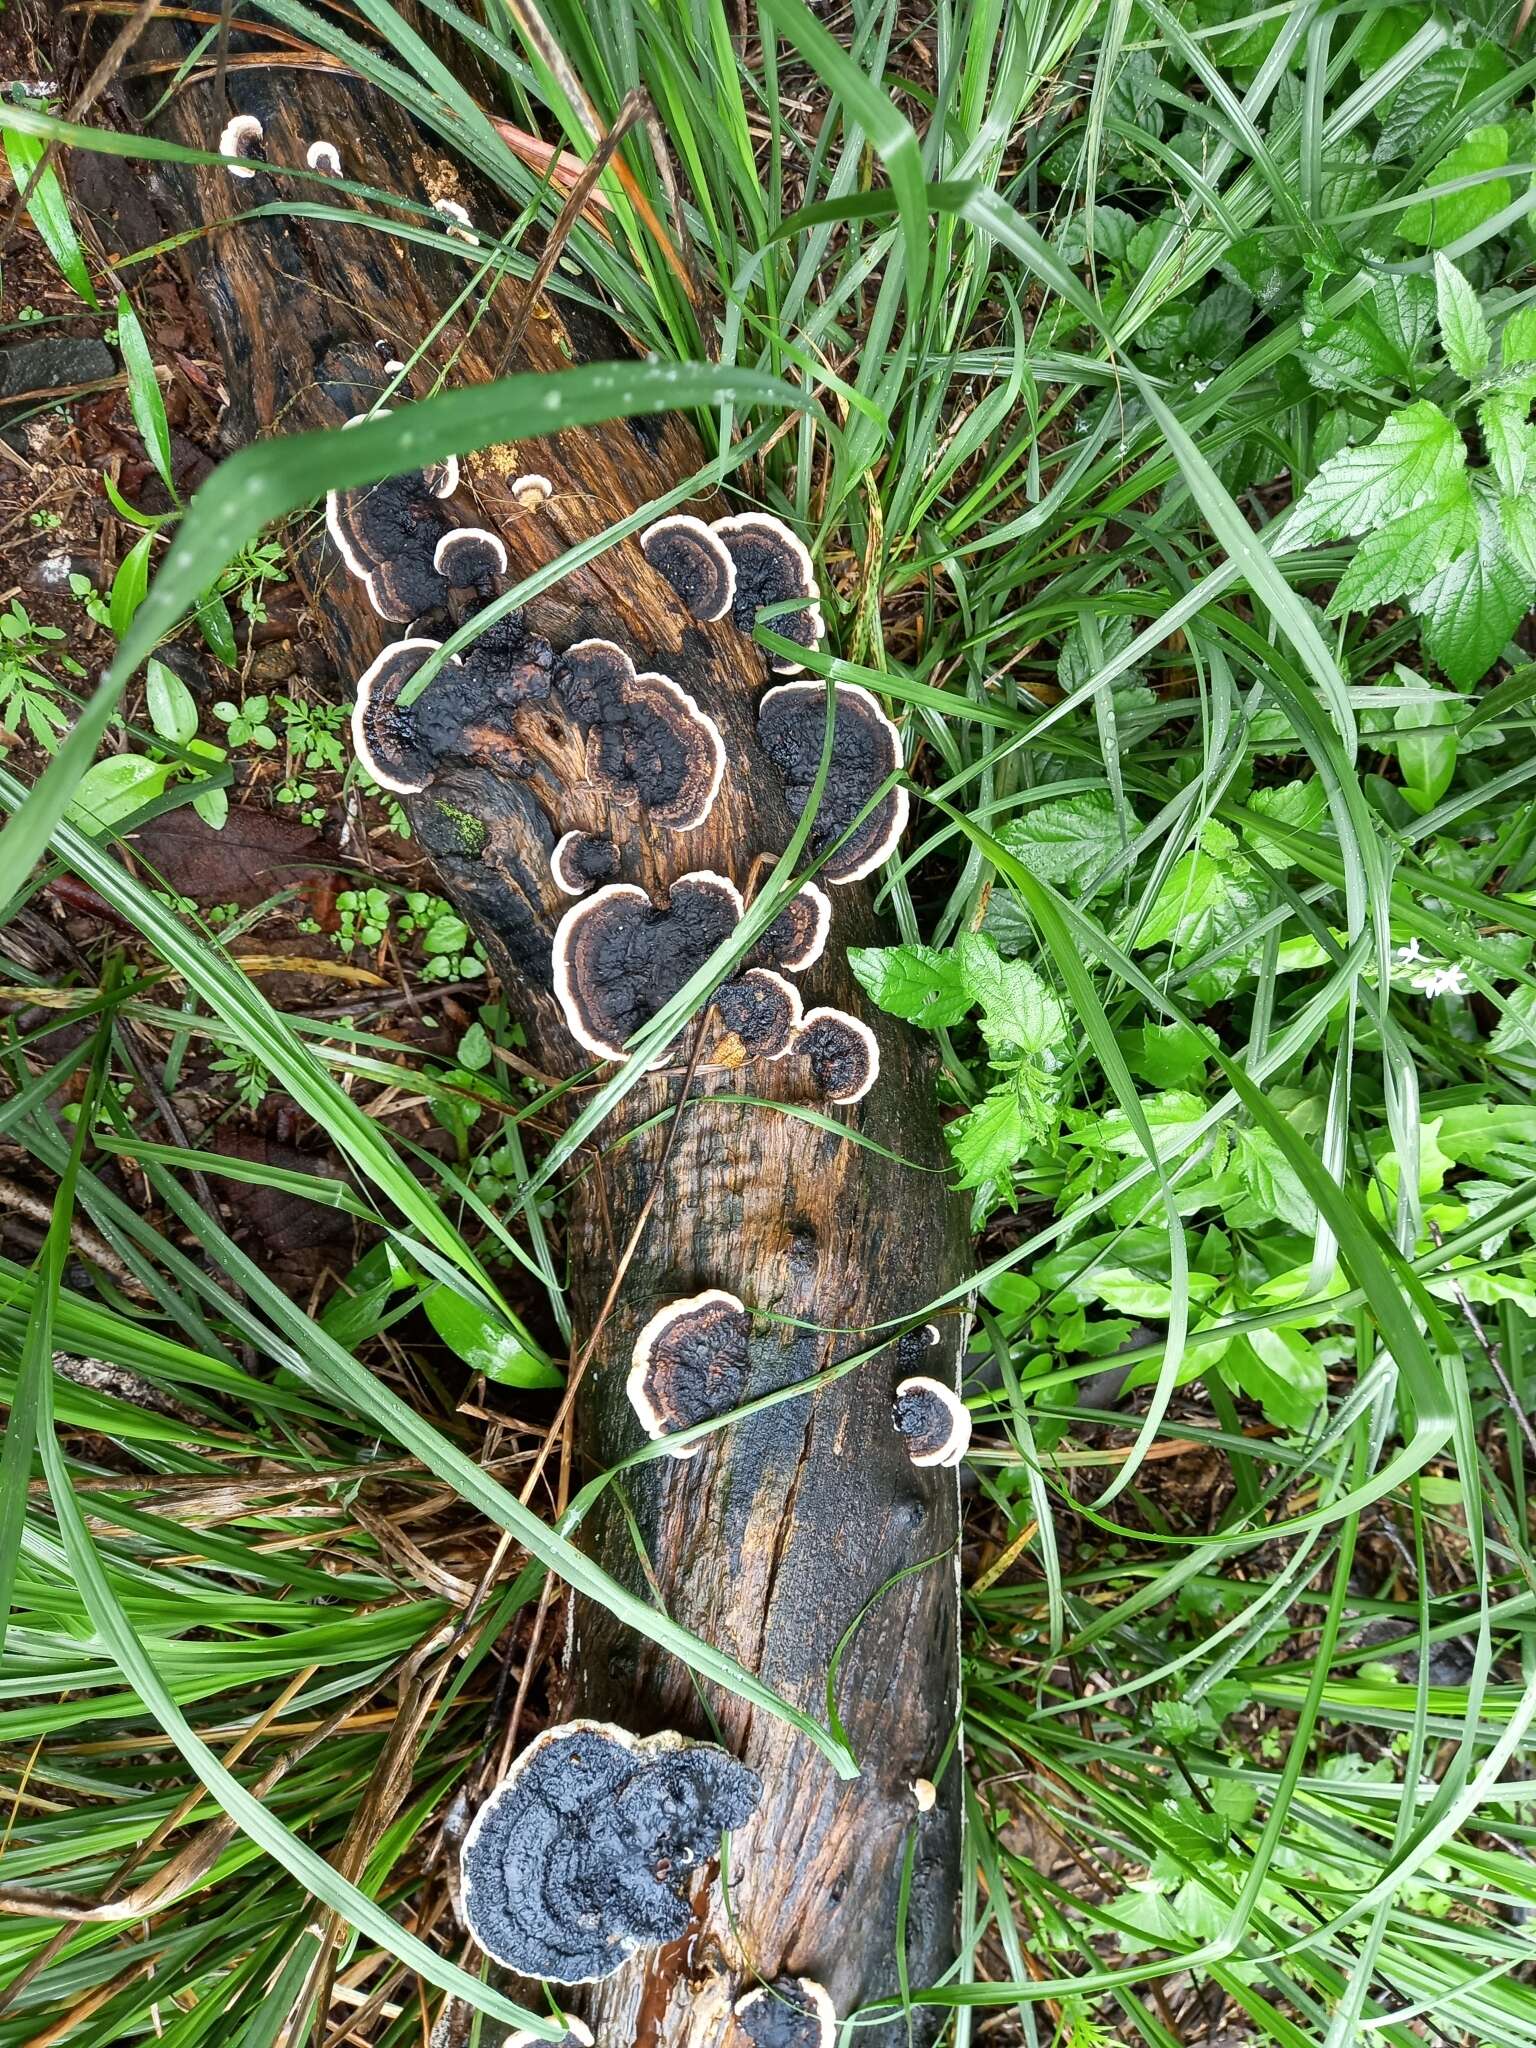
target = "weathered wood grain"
x: 783, y: 1531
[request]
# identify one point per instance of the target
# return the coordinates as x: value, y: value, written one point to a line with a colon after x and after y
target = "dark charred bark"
x: 777, y: 1536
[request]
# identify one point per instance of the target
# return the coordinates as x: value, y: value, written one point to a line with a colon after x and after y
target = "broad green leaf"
x: 1171, y: 1056
x: 113, y: 789
x: 1468, y: 611
x: 1517, y: 342
x: 1517, y: 521
x: 1463, y: 330
x: 988, y: 1143
x: 501, y: 1350
x: 1203, y: 900
x: 1280, y: 1370
x: 1381, y: 340
x: 1416, y: 455
x: 144, y: 399
x: 48, y: 209
x: 920, y: 983
x: 1299, y: 804
x: 1066, y: 839
x: 171, y: 706
x: 1439, y: 222
x: 1403, y: 554
x: 1426, y: 748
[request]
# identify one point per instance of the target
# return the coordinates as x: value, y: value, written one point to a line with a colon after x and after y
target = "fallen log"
x: 565, y: 797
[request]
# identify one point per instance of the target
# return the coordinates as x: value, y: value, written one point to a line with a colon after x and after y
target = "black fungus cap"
x: 772, y: 566
x: 695, y: 561
x: 866, y: 752
x: 791, y: 2012
x: 647, y: 740
x: 844, y: 1055
x: 763, y: 1009
x: 584, y: 1853
x: 619, y: 958
x: 797, y: 938
x: 690, y: 1362
x: 934, y: 1421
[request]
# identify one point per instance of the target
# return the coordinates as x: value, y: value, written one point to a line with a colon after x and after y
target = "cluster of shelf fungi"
x: 584, y: 1853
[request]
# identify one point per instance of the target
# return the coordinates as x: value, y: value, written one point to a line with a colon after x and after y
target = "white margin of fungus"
x: 480, y: 533
x: 817, y: 1999
x: 567, y: 888
x: 238, y: 132
x: 830, y: 1015
x: 957, y: 1443
x: 796, y: 1010
x: 685, y: 522
x: 651, y: 1421
x: 575, y: 2030
x: 925, y: 1794
x: 712, y: 739
x: 324, y: 156
x: 365, y: 687
x: 897, y: 798
x: 565, y: 993
x: 821, y: 903
x: 539, y: 488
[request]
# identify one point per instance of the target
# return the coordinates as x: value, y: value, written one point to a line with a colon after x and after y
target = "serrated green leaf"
x: 1517, y: 342
x: 1469, y: 609
x: 920, y: 983
x: 1202, y: 901
x: 1301, y: 804
x: 1415, y: 456
x: 1435, y: 223
x: 1404, y: 554
x: 1463, y: 330
x: 1507, y: 436
x: 1019, y: 1013
x: 1382, y: 340
x: 1066, y: 839
x: 1517, y: 520
x: 1170, y: 1055
x: 988, y: 1142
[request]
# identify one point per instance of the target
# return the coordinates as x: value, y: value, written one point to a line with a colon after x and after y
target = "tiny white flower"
x: 1442, y: 981
x: 1203, y: 383
x: 1406, y: 955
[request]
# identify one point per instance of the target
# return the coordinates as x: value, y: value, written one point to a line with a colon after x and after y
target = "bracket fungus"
x: 581, y: 861
x: 463, y: 713
x: 792, y: 2012
x: 695, y: 561
x: 915, y: 1345
x: 647, y: 739
x: 772, y: 565
x: 388, y: 534
x: 689, y: 1363
x: 934, y: 1420
x: 383, y: 736
x: 457, y: 217
x: 532, y: 491
x: 583, y: 1853
x: 241, y: 136
x: 620, y: 958
x: 324, y: 156
x: 576, y: 2031
x: 763, y: 1009
x: 797, y: 938
x: 470, y: 557
x: 866, y: 752
x: 843, y: 1052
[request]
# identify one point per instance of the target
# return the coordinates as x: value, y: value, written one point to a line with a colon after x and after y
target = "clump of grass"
x: 1154, y: 384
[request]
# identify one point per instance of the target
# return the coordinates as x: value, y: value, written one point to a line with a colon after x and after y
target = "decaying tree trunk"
x: 773, y: 1540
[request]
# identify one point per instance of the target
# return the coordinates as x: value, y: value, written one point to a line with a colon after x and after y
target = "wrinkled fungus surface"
x: 619, y: 958
x: 691, y: 1362
x: 584, y: 1853
x: 866, y: 751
